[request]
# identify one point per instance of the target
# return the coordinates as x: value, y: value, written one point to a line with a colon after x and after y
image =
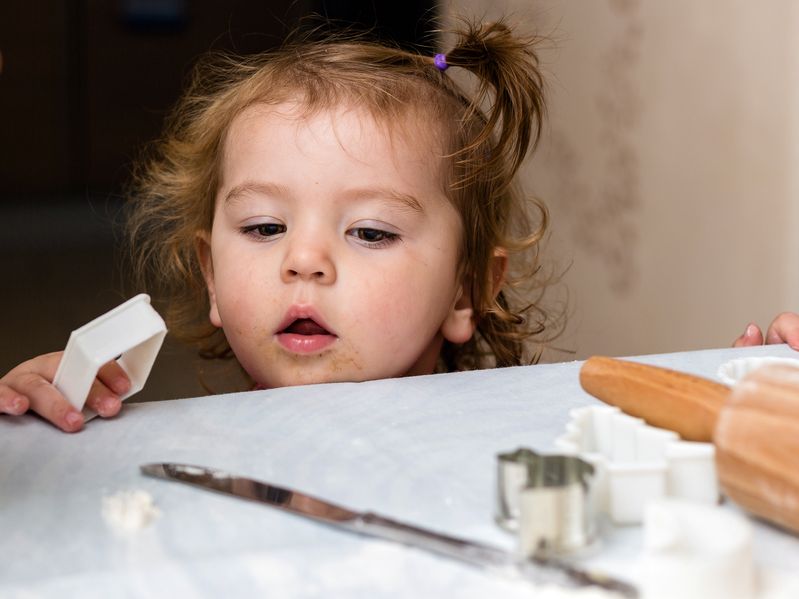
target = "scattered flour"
x: 129, y: 511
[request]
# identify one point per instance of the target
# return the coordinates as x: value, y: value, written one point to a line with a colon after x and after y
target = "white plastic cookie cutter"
x: 636, y: 463
x: 131, y: 333
x: 733, y: 371
x: 695, y: 551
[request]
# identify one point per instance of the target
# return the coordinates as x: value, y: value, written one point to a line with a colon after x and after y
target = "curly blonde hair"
x: 174, y: 188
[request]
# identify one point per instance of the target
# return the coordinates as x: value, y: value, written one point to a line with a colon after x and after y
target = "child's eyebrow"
x: 388, y: 195
x: 262, y: 188
x: 357, y: 194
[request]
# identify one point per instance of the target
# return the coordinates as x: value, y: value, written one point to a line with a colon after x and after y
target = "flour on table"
x: 129, y: 511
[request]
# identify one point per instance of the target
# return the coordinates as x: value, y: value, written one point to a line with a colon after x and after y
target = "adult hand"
x: 783, y: 329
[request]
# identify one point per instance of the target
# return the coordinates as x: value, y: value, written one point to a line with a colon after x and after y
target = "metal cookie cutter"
x: 132, y: 333
x: 547, y: 499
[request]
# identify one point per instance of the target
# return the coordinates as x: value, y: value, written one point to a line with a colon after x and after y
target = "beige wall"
x: 670, y: 164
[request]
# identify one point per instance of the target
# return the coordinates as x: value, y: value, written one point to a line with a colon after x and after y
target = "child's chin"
x: 314, y: 377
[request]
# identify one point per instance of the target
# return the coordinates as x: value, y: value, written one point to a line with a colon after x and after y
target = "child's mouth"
x: 305, y: 336
x: 305, y: 326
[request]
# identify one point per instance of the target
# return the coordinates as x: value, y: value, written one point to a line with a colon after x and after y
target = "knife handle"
x: 687, y: 404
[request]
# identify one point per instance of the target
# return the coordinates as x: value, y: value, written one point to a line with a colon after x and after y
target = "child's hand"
x: 783, y: 329
x: 30, y: 386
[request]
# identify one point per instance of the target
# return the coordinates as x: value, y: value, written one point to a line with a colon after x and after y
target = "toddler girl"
x: 337, y: 210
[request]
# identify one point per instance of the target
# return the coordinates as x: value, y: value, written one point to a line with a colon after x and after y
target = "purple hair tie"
x: 440, y: 61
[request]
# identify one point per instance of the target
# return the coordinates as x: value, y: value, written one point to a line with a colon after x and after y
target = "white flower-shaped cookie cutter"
x: 636, y: 464
x: 131, y: 333
x: 732, y: 371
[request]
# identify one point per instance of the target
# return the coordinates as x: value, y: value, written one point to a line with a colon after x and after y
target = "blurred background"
x: 668, y: 162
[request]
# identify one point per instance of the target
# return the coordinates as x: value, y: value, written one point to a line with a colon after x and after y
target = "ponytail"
x: 501, y: 121
x: 507, y: 68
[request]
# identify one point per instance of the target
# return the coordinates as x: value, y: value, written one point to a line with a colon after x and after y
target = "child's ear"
x: 203, y: 248
x: 460, y: 323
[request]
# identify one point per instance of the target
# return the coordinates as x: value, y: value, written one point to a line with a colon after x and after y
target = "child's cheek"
x: 398, y: 320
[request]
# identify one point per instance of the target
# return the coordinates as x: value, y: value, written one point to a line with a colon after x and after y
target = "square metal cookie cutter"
x: 131, y: 333
x: 547, y: 500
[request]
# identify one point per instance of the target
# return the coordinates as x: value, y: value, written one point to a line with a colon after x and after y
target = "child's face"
x: 334, y: 251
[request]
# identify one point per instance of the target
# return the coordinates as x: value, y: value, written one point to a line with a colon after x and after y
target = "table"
x: 420, y: 449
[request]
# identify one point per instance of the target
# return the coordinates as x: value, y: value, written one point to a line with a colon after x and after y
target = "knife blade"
x: 540, y: 569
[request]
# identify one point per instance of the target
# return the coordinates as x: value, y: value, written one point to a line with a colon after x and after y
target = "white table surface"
x: 422, y: 450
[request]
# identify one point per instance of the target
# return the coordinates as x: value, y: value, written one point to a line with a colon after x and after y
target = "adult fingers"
x: 784, y: 329
x: 752, y: 336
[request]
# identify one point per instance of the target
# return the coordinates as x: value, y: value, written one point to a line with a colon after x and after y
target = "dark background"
x: 84, y: 85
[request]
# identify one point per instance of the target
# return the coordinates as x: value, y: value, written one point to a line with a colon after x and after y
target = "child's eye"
x: 264, y: 230
x: 373, y: 237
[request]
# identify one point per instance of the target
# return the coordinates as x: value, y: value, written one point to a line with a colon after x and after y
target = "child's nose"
x: 308, y: 261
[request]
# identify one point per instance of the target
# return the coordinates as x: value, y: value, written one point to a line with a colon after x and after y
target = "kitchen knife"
x: 539, y: 569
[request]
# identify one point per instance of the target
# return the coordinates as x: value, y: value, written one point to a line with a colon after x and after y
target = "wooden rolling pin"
x: 754, y: 425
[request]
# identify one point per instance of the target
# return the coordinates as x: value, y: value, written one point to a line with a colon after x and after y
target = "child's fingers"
x: 111, y: 383
x: 12, y: 402
x: 48, y: 402
x: 103, y: 400
x: 114, y: 377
